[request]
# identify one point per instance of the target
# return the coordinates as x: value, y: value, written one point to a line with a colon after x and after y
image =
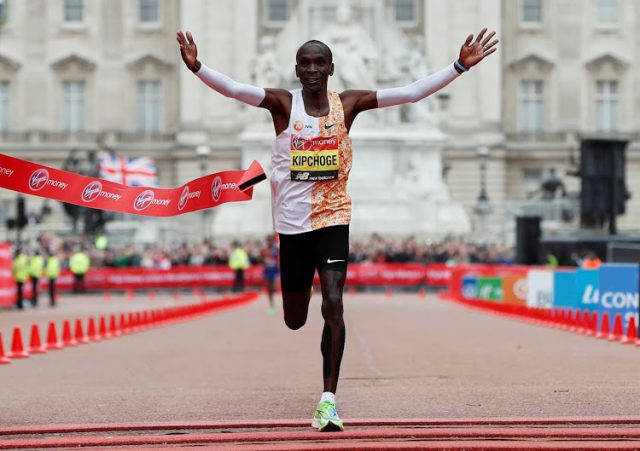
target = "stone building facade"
x: 88, y: 74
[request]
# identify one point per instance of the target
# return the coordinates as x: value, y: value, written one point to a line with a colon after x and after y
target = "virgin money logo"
x: 185, y: 196
x: 91, y: 191
x: 216, y: 188
x: 38, y: 179
x: 143, y: 200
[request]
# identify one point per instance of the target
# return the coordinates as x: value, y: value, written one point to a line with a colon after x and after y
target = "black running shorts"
x: 303, y: 253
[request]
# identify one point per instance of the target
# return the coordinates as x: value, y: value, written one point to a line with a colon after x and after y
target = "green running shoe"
x: 326, y: 418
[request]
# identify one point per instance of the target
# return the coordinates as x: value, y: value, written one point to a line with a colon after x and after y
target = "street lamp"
x: 483, y: 206
x: 203, y: 151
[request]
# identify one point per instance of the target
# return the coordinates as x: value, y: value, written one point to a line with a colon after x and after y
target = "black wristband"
x: 460, y: 67
x: 197, y: 68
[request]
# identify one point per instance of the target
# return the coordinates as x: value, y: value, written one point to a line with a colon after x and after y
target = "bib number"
x: 314, y: 160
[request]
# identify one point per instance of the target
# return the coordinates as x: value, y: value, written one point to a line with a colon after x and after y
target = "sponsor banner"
x: 221, y: 276
x: 204, y: 192
x: 564, y: 290
x: 438, y: 274
x: 618, y: 285
x: 373, y: 274
x: 490, y: 289
x: 540, y: 292
x: 470, y: 287
x: 587, y: 289
x: 514, y: 289
x: 7, y: 284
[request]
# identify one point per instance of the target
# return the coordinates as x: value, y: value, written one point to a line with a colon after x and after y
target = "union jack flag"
x: 140, y: 171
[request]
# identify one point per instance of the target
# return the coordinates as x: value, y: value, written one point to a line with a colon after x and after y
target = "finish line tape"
x: 204, y: 192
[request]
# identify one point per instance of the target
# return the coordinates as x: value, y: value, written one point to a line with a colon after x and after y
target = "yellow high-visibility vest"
x: 21, y: 268
x: 79, y: 263
x: 53, y: 267
x: 36, y: 266
x: 239, y: 259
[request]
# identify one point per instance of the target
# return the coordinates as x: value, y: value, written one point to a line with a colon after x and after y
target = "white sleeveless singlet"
x: 311, y: 161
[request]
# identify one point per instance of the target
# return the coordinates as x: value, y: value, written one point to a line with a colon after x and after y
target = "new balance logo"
x: 329, y: 261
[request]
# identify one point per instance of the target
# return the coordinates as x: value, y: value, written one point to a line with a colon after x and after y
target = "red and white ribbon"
x: 205, y: 192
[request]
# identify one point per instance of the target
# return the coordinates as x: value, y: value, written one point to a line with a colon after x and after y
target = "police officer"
x: 52, y: 271
x: 239, y: 262
x: 20, y: 273
x: 36, y: 267
x: 79, y: 264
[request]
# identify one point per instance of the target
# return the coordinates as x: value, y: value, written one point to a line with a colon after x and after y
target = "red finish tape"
x: 205, y: 192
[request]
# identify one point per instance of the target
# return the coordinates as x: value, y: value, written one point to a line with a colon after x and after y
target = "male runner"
x: 311, y: 160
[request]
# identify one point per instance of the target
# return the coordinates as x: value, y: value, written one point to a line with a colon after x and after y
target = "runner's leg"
x: 333, y: 334
x: 332, y: 249
x: 297, y: 268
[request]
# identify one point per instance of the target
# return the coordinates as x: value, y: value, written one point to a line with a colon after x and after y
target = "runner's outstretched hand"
x: 471, y: 53
x: 188, y: 50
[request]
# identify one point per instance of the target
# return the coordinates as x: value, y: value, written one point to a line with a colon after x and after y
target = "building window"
x: 607, y: 106
x: 532, y: 11
x: 532, y: 175
x: 405, y: 11
x: 73, y: 106
x: 277, y: 11
x: 3, y: 11
x: 531, y: 106
x: 607, y: 11
x: 149, y: 106
x: 149, y: 11
x: 5, y: 106
x: 73, y: 10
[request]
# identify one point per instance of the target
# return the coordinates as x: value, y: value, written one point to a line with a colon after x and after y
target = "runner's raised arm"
x: 277, y: 101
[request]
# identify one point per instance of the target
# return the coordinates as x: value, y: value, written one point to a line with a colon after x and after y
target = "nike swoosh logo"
x: 328, y: 126
x: 329, y: 261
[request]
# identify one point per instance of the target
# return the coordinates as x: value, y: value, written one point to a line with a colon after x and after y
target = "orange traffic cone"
x: 617, y: 328
x: 35, y: 345
x: 3, y: 359
x: 632, y: 332
x: 113, y: 326
x: 52, y: 337
x: 91, y: 330
x: 594, y: 324
x: 152, y: 294
x: 67, y: 338
x: 81, y: 338
x: 104, y: 333
x: 176, y: 295
x: 604, y: 330
x: 17, y: 349
x: 124, y: 326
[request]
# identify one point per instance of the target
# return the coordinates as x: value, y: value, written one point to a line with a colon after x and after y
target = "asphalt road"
x: 406, y: 357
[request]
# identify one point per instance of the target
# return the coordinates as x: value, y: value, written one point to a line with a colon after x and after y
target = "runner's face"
x: 313, y: 68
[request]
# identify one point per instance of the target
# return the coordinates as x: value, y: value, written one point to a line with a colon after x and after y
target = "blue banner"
x: 564, y: 289
x: 470, y: 287
x: 587, y: 289
x: 619, y: 291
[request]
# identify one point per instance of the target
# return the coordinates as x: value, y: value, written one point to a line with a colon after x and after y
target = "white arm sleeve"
x: 252, y: 95
x: 417, y: 90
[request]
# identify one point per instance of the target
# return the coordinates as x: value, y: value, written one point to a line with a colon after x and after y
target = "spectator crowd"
x: 375, y: 248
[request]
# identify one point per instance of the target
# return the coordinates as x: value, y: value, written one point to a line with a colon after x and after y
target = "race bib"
x: 314, y: 159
